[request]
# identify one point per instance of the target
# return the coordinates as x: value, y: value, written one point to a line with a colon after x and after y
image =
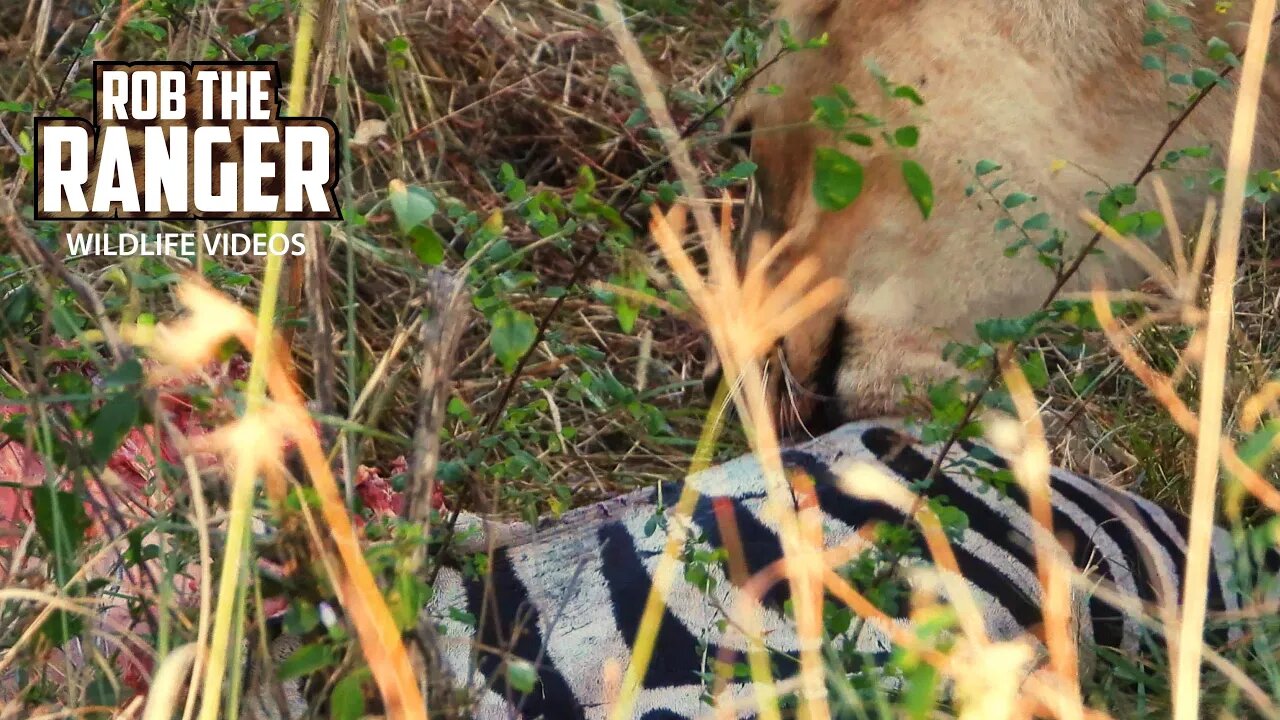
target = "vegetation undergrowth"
x: 508, y: 143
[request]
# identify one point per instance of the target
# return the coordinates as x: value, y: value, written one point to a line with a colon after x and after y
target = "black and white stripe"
x: 568, y: 596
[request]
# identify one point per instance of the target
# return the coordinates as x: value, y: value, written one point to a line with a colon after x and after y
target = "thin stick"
x: 316, y: 264
x: 446, y: 303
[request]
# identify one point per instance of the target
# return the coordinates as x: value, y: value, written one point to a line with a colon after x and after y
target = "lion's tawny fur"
x: 1026, y: 83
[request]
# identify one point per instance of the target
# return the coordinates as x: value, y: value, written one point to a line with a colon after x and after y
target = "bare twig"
x: 317, y: 289
x: 446, y: 301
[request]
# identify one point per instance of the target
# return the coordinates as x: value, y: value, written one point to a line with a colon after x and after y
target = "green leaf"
x: 741, y: 171
x: 114, y: 420
x: 346, y: 702
x: 511, y: 336
x: 61, y: 523
x: 127, y: 373
x: 1150, y: 222
x: 301, y: 618
x: 1036, y: 371
x: 101, y: 691
x: 521, y: 675
x: 408, y: 595
x: 920, y: 698
x: 1203, y: 77
x: 386, y: 102
x: 66, y: 323
x: 1039, y: 221
x: 908, y: 93
x: 906, y: 136
x: 1002, y: 330
x: 306, y: 660
x: 16, y: 307
x: 154, y: 31
x: 920, y: 185
x: 1127, y: 224
x: 397, y: 44
x: 636, y: 118
x: 1220, y: 51
x: 1257, y: 449
x: 427, y: 245
x: 61, y: 627
x: 985, y: 167
x: 411, y: 205
x: 627, y: 314
x: 1197, y: 151
x: 837, y: 179
x: 1016, y: 199
x: 462, y: 616
x: 830, y: 112
x: 842, y: 94
x: 951, y: 517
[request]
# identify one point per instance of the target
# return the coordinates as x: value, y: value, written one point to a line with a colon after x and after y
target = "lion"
x: 1055, y: 91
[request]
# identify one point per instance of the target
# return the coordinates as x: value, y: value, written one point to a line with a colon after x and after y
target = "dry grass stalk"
x: 169, y: 680
x: 225, y: 646
x: 1031, y: 467
x: 1162, y: 388
x: 201, y: 513
x: 1169, y: 627
x: 254, y: 444
x: 741, y: 332
x: 739, y: 342
x: 1182, y: 306
x: 980, y: 694
x: 1011, y: 693
x: 1186, y: 685
x: 738, y: 575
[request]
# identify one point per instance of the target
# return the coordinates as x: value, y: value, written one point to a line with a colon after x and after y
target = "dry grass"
x: 536, y: 85
x: 440, y: 95
x: 480, y: 84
